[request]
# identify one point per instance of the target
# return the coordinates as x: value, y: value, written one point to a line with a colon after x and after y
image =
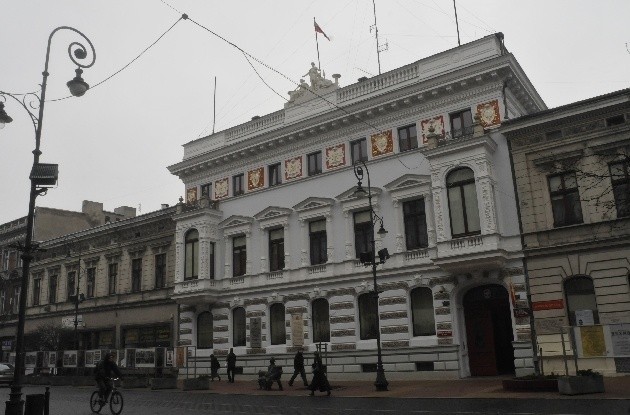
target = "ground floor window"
x: 205, y: 330
x: 147, y: 336
x: 278, y: 328
x: 239, y: 329
x: 321, y: 320
x: 368, y: 316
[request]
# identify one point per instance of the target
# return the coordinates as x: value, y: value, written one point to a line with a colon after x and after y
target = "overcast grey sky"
x: 113, y: 144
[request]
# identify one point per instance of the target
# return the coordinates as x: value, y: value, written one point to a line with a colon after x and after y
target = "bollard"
x: 35, y: 404
x: 47, y: 405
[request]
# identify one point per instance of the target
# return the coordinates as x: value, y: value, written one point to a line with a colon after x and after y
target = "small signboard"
x: 68, y: 322
x: 255, y: 332
x: 30, y: 359
x: 6, y: 345
x: 553, y: 325
x: 548, y: 305
x: 584, y: 317
x: 593, y: 342
x: 70, y: 358
x: 620, y: 338
x: 145, y: 357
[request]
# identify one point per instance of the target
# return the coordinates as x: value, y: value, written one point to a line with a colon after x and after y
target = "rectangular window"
x: 318, y: 242
x: 91, y: 282
x: 407, y: 138
x: 160, y: 270
x: 276, y: 249
x: 136, y: 275
x: 362, y: 232
x: 620, y: 179
x: 112, y: 278
x: 239, y: 256
x: 71, y: 285
x: 13, y: 257
x: 212, y: 260
x: 238, y: 184
x: 415, y: 224
x: 52, y: 289
x: 3, y: 299
x: 565, y: 199
x: 206, y: 189
x: 16, y: 300
x: 37, y: 290
x: 358, y: 150
x: 314, y: 162
x: 274, y: 175
x: 368, y: 316
x: 461, y: 124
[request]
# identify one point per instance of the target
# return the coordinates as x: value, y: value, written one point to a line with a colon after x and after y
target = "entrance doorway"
x: 489, y: 331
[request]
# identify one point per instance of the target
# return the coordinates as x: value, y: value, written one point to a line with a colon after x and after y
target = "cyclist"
x: 105, y: 369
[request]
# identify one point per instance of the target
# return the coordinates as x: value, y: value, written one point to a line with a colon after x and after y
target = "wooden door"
x: 480, y: 339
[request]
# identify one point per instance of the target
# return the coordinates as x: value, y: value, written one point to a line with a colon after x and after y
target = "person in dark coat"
x: 298, y: 368
x: 106, y: 369
x: 273, y: 375
x: 231, y: 365
x: 214, y: 368
x: 320, y: 381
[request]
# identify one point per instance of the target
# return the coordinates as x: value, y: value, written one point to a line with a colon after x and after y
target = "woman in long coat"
x: 320, y: 381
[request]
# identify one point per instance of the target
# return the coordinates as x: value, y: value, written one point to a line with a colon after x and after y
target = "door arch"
x: 489, y: 331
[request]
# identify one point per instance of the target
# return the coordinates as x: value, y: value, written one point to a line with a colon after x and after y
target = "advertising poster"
x: 620, y: 337
x: 297, y: 330
x: 70, y: 358
x: 593, y: 343
x: 145, y: 357
x: 170, y: 358
x: 30, y: 359
x: 52, y: 359
x: 181, y: 356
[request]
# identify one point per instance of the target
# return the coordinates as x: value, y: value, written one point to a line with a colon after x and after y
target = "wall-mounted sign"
x: 593, y: 343
x: 620, y: 338
x: 68, y: 322
x: 548, y: 305
x: 553, y: 325
x: 297, y: 329
x: 255, y: 333
x: 584, y: 318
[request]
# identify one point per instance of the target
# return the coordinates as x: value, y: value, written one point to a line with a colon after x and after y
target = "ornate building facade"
x: 572, y: 166
x: 268, y: 245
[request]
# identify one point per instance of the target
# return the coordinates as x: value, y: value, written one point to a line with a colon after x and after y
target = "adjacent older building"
x: 270, y: 241
x: 48, y: 223
x: 572, y: 169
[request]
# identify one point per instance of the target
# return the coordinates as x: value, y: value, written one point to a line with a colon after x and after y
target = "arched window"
x: 581, y: 301
x: 191, y: 266
x: 204, y: 330
x: 276, y: 320
x: 368, y: 316
x: 422, y: 312
x: 321, y: 320
x: 239, y: 329
x: 462, y: 202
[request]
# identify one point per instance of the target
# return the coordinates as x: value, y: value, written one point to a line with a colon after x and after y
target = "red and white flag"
x: 319, y: 30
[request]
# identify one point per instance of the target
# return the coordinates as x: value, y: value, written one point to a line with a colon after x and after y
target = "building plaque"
x: 297, y: 329
x: 255, y: 333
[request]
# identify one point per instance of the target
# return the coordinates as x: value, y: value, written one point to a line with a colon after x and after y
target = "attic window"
x: 554, y: 135
x: 616, y: 120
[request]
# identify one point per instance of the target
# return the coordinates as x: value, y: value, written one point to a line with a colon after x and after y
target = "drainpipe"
x: 532, y: 326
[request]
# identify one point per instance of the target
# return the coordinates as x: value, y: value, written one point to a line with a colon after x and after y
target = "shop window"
x: 581, y: 301
x: 368, y: 316
x: 278, y: 327
x: 565, y: 199
x: 205, y: 331
x: 422, y: 312
x: 321, y: 320
x: 239, y: 329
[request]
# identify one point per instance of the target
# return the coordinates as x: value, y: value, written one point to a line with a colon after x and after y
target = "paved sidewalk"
x: 616, y: 388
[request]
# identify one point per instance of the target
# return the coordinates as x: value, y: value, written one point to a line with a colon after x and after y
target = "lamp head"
x: 381, y: 230
x: 359, y: 192
x: 4, y: 117
x: 77, y: 85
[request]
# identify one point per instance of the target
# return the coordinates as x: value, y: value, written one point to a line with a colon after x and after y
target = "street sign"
x: 68, y: 322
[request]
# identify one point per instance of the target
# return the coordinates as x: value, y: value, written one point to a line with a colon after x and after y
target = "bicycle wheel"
x: 116, y: 403
x: 95, y: 405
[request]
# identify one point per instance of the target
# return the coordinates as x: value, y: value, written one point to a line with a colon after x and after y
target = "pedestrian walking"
x: 214, y: 368
x: 320, y: 381
x: 298, y: 368
x: 231, y: 365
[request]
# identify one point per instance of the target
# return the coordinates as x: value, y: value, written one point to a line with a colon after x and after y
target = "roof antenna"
x: 378, y: 47
x: 456, y: 23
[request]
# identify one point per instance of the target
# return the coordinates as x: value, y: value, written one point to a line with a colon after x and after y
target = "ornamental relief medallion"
x: 437, y: 123
x: 382, y: 143
x: 489, y: 113
x: 293, y: 168
x: 256, y: 178
x: 336, y: 156
x: 221, y: 188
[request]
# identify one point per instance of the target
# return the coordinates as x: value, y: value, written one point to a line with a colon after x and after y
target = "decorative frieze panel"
x: 435, y: 123
x: 256, y: 178
x: 293, y: 168
x: 341, y: 291
x: 220, y: 340
x: 393, y: 315
x: 183, y: 320
x: 489, y: 113
x: 401, y: 285
x: 185, y: 331
x: 220, y: 352
x: 295, y: 310
x: 255, y: 301
x: 442, y: 311
x: 221, y: 188
x: 335, y: 156
x: 296, y: 297
x: 395, y: 344
x: 343, y: 346
x: 394, y: 329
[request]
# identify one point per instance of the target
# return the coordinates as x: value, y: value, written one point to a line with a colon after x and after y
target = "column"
x: 304, y: 261
x: 287, y: 254
x: 398, y: 226
x: 248, y: 249
x: 330, y: 250
x: 228, y: 256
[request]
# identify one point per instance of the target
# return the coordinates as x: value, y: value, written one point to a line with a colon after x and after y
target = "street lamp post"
x: 370, y: 258
x: 42, y: 176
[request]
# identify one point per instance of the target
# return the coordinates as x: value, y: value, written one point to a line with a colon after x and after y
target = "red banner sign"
x: 548, y: 305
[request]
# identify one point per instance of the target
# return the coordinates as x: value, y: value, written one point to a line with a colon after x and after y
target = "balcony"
x: 196, y: 291
x: 471, y: 253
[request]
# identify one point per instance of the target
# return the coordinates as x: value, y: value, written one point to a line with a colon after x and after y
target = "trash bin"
x: 35, y: 404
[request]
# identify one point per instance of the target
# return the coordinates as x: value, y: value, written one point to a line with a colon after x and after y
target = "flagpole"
x: 456, y: 23
x: 319, y: 65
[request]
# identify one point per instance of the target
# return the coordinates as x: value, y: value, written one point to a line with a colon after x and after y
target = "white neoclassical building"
x: 269, y: 238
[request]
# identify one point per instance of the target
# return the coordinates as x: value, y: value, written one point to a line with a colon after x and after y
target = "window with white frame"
x: 462, y: 202
x: 191, y: 255
x: 318, y: 241
x: 362, y: 232
x: 565, y: 199
x: 276, y: 249
x: 415, y: 221
x: 239, y: 256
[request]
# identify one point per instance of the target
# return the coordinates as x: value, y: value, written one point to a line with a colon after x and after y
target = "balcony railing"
x: 416, y: 254
x: 317, y: 269
x: 462, y: 243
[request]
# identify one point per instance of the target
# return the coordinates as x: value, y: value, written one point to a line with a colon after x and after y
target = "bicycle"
x: 115, y: 400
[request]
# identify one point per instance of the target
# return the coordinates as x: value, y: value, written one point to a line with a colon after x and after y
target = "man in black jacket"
x: 298, y: 368
x: 105, y: 371
x: 231, y: 365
